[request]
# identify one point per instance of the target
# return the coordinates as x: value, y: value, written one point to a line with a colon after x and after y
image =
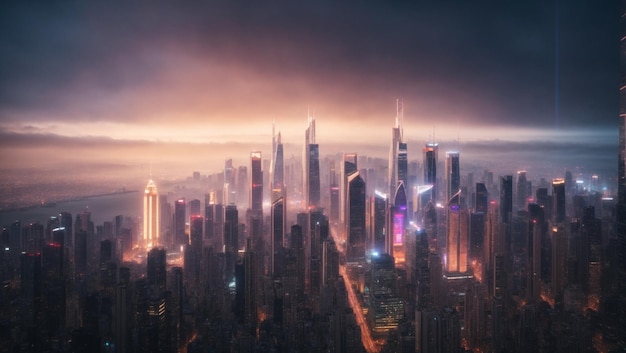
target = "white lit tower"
x: 151, y: 215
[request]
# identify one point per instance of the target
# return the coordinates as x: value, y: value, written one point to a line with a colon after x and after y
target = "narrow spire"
x: 400, y: 116
x: 311, y: 127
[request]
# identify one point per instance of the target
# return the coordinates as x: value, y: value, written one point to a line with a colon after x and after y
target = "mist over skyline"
x: 183, y: 87
x: 323, y: 176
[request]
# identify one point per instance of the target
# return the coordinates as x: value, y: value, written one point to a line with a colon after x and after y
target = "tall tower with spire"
x: 311, y: 167
x: 277, y: 178
x: 397, y: 153
x: 151, y: 215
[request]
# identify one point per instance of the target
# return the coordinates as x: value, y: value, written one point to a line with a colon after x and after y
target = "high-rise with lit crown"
x: 151, y: 215
x: 558, y: 200
x: 457, y: 236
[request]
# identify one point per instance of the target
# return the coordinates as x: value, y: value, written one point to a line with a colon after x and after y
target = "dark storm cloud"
x: 491, y: 60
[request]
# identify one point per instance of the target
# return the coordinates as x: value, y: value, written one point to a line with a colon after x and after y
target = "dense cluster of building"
x: 341, y: 254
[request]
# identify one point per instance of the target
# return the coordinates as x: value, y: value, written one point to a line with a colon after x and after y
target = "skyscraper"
x: 242, y: 186
x: 397, y: 153
x: 151, y: 215
x: 403, y: 165
x: 348, y: 166
x: 180, y: 218
x: 195, y: 208
x: 209, y: 216
x: 355, y: 219
x: 278, y: 230
x: 278, y: 179
x: 335, y: 199
x: 193, y: 253
x: 399, y: 222
x: 431, y: 150
x: 311, y: 167
x: 558, y: 200
x: 536, y: 227
x: 196, y: 223
x: 386, y: 309
x: 453, y: 174
x: 559, y: 261
x: 256, y: 188
x: 523, y: 190
x: 378, y: 215
x: 30, y: 287
x: 65, y: 221
x: 457, y: 240
x: 229, y: 183
x: 157, y: 270
x: 482, y: 198
x: 53, y: 286
x: 231, y: 229
x: 506, y: 198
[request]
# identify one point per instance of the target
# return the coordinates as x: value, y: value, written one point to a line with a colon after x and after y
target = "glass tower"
x: 311, y: 163
x: 453, y: 174
x: 356, y: 218
x: 431, y: 150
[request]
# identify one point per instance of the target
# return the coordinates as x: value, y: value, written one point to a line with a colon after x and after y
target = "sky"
x: 89, y: 85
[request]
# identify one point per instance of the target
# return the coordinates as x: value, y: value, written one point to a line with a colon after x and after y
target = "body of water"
x: 103, y: 208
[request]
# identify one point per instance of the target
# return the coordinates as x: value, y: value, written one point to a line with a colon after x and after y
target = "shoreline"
x: 74, y: 199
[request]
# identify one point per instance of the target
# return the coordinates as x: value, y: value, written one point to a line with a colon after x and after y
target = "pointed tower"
x: 311, y: 167
x: 398, y: 165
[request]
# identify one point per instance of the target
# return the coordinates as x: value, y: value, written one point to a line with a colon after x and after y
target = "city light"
x: 356, y: 226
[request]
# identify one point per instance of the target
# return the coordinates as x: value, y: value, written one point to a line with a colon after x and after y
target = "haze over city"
x: 374, y: 177
x: 173, y: 88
